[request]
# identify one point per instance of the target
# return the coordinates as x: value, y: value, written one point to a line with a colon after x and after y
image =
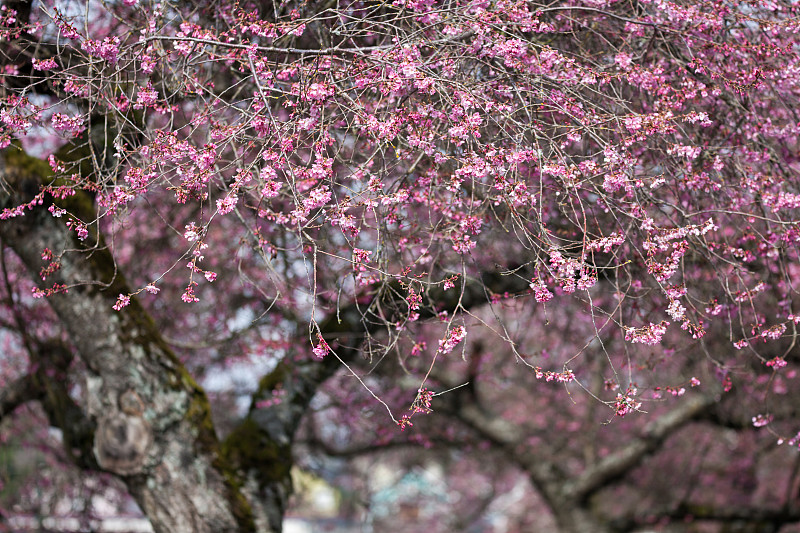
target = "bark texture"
x: 167, y: 453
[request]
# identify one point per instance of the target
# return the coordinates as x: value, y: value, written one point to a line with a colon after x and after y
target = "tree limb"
x: 618, y: 464
x: 768, y: 519
x: 261, y: 444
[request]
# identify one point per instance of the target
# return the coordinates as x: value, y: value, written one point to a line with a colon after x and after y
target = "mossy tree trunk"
x: 152, y: 421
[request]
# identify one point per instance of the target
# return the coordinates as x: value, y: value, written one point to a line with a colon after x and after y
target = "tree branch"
x: 772, y: 518
x: 48, y: 385
x: 464, y: 404
x: 261, y: 444
x: 618, y: 464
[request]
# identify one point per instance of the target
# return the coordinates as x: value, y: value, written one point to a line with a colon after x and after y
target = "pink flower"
x: 413, y: 299
x: 322, y: 348
x: 404, y: 422
x: 650, y: 334
x: 192, y: 232
x: 108, y: 48
x: 540, y: 291
x: 44, y: 64
x: 145, y: 97
x: 776, y: 363
x: 422, y: 403
x: 267, y: 173
x: 226, y: 205
x: 318, y: 91
x: 761, y: 420
x: 774, y: 332
x: 361, y: 256
x: 80, y: 229
x: 626, y: 403
x: 271, y: 189
x: 188, y: 295
x: 454, y: 336
x: 318, y: 197
x: 62, y: 122
x: 623, y: 60
x: 122, y: 301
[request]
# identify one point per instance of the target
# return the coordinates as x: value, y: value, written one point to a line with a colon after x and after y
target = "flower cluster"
x: 540, y: 291
x: 422, y: 403
x: 760, y: 420
x: 559, y: 377
x: 454, y: 336
x: 62, y: 122
x: 145, y: 97
x: 44, y: 64
x: 321, y: 349
x: 626, y: 403
x: 107, y: 49
x: 776, y: 363
x: 123, y: 300
x: 650, y: 334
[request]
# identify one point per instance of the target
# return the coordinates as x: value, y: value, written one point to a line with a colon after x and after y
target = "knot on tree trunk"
x: 121, y: 443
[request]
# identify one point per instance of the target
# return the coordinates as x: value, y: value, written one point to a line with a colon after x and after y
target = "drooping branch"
x: 545, y: 475
x: 347, y: 329
x: 466, y: 406
x: 561, y: 492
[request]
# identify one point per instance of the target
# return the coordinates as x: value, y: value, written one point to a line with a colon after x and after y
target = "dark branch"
x: 464, y: 404
x: 48, y: 384
x: 768, y: 519
x: 618, y: 464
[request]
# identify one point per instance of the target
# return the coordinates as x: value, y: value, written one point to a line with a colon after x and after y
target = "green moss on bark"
x: 271, y: 382
x: 199, y: 416
x: 249, y: 448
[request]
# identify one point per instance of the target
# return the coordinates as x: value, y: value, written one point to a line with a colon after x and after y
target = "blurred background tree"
x: 483, y: 265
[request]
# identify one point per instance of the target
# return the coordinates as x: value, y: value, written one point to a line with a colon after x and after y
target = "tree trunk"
x: 153, y: 424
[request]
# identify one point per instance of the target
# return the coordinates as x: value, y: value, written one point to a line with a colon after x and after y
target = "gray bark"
x: 167, y: 452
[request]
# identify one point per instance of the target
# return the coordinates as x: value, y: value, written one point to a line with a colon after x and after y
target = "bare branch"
x: 618, y: 464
